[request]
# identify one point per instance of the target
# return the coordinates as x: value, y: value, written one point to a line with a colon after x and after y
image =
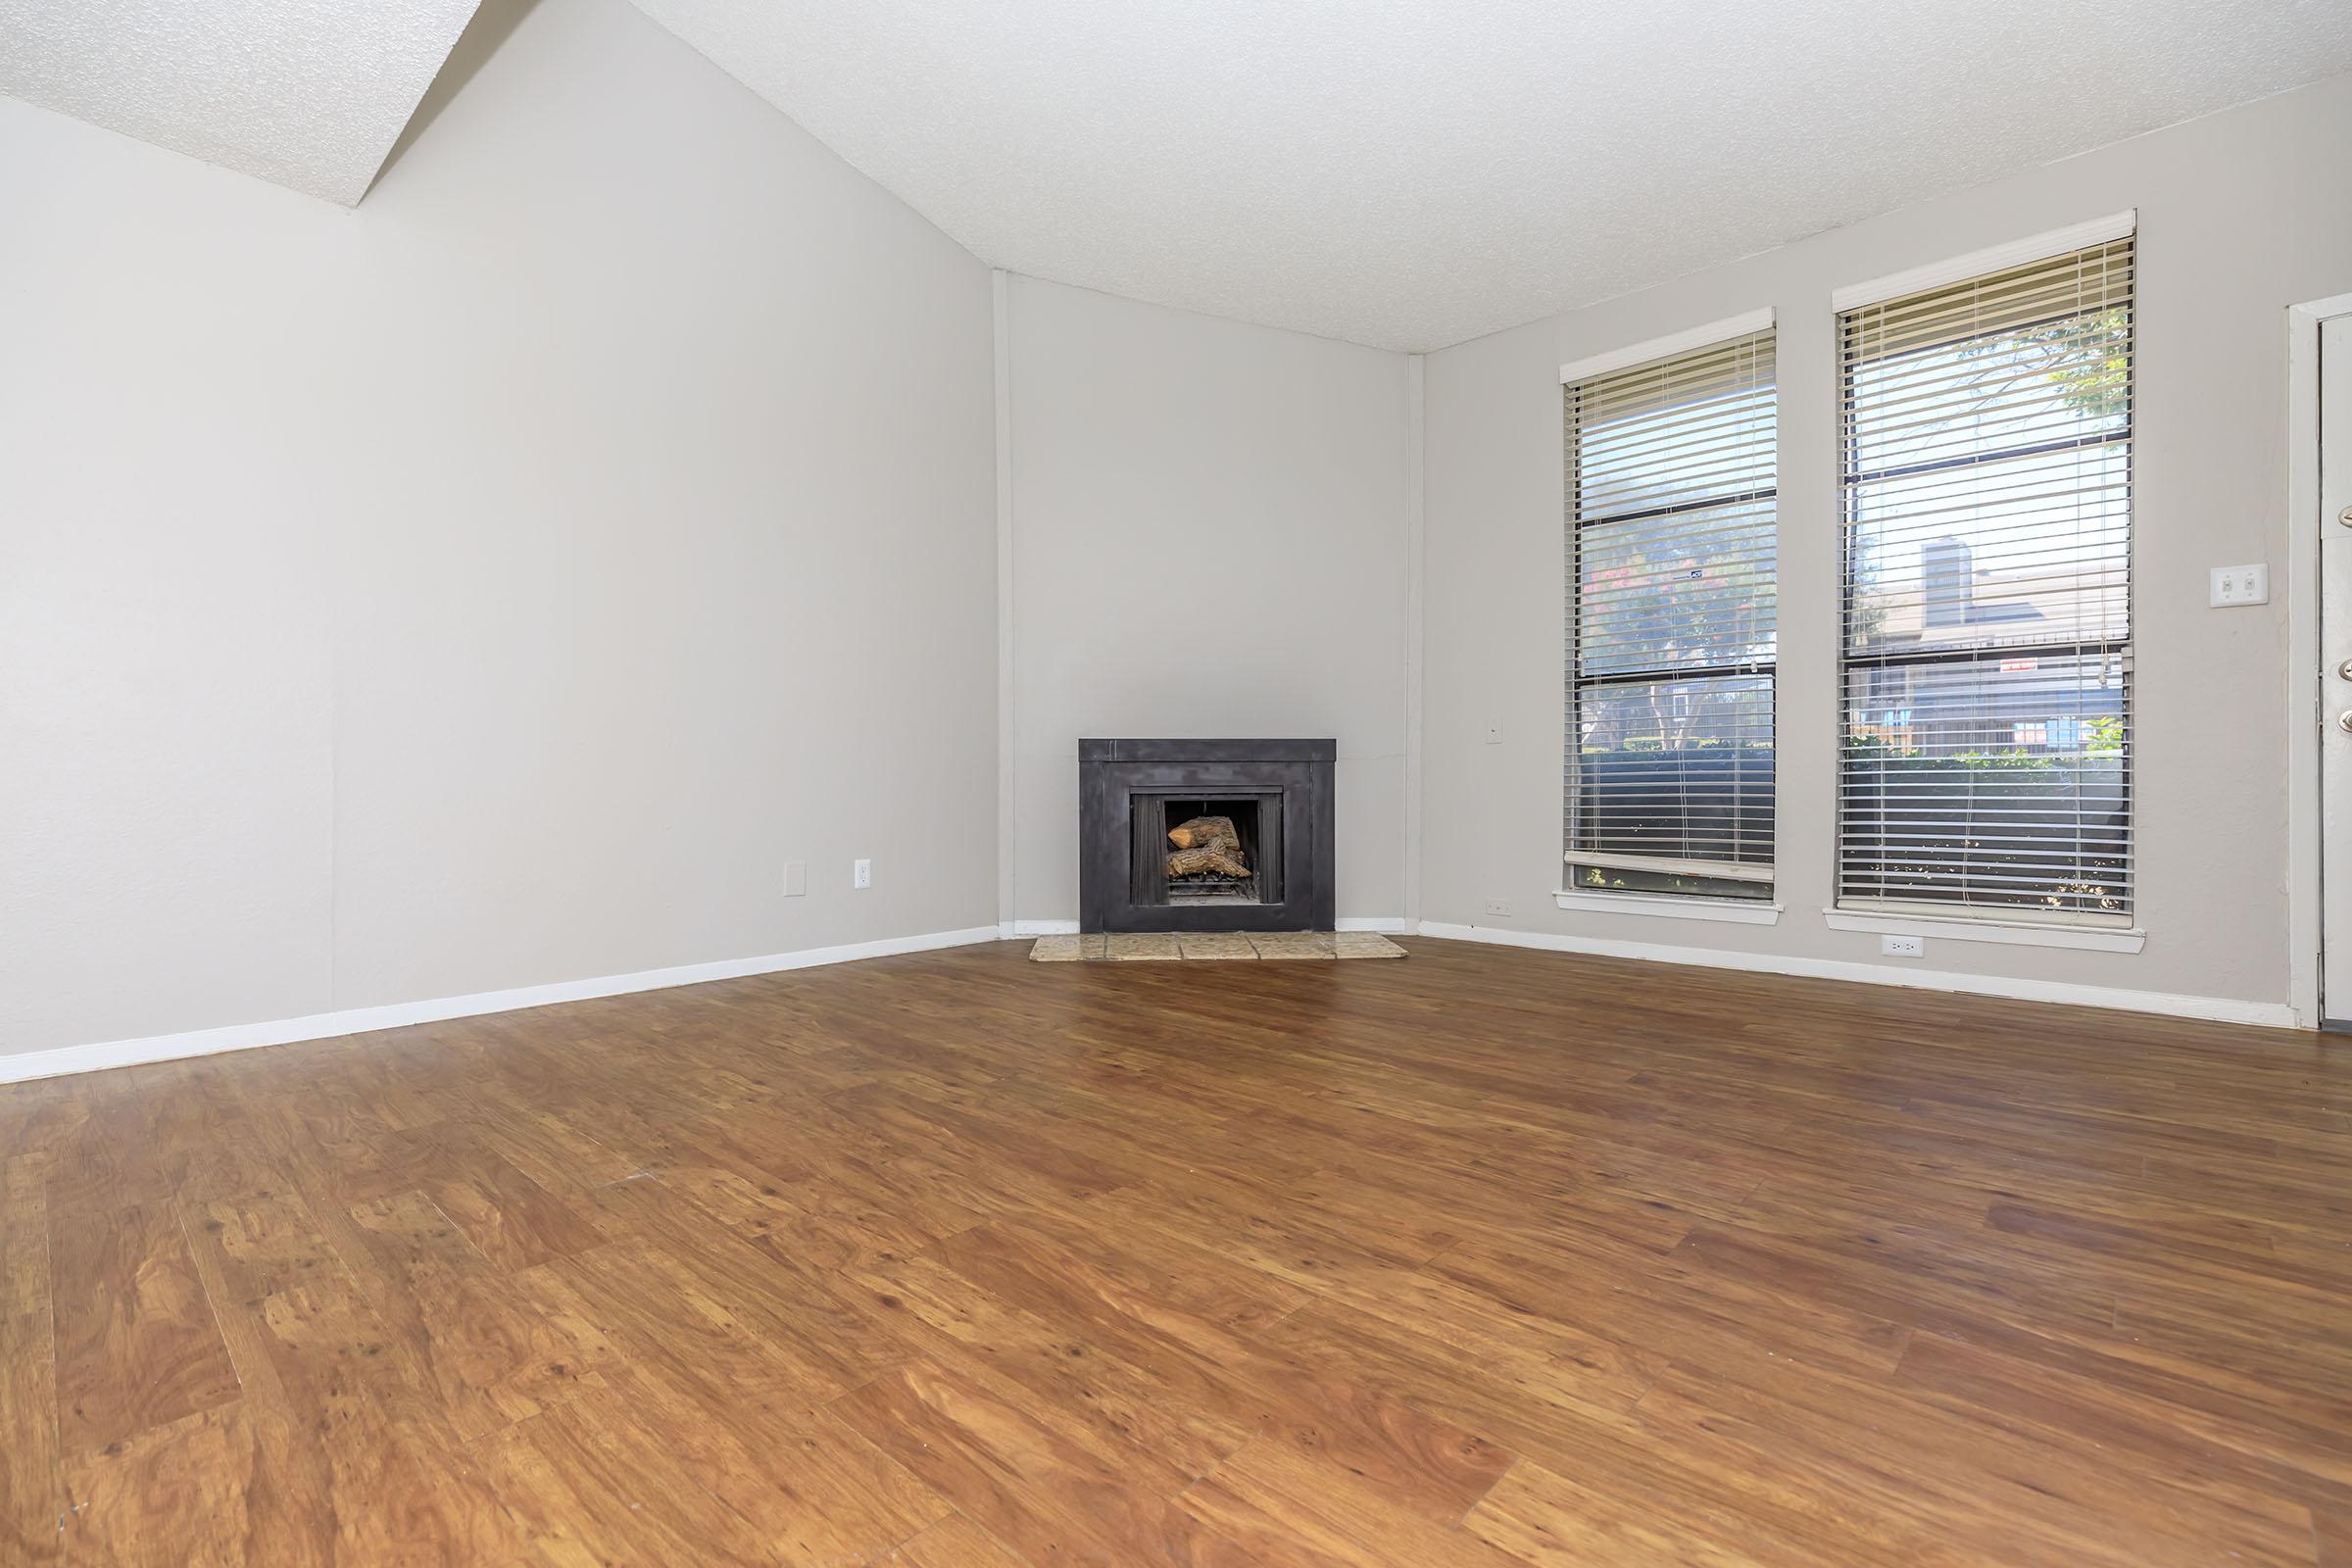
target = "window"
x: 1987, y: 638
x: 1671, y: 534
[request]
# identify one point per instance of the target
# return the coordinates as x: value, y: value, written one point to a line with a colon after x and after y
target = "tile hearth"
x: 1125, y: 946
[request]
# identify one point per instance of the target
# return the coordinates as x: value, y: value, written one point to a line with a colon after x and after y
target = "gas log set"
x: 1207, y: 847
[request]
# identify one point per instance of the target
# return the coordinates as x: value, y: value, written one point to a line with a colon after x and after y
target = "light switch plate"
x: 1493, y: 732
x: 796, y: 879
x: 2239, y: 585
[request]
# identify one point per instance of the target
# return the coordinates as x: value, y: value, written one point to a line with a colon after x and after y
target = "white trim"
x: 1991, y: 259
x: 400, y: 1014
x: 1007, y: 753
x: 2015, y: 933
x: 2306, y: 677
x: 2220, y: 1009
x: 1010, y: 929
x: 1416, y: 528
x: 1660, y: 348
x: 1728, y: 911
x: 1978, y: 914
x: 1667, y: 865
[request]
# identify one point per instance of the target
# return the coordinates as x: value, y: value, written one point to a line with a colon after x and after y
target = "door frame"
x: 2306, y: 681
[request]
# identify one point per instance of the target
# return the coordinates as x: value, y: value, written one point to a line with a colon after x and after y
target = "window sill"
x: 2014, y: 933
x: 1732, y: 912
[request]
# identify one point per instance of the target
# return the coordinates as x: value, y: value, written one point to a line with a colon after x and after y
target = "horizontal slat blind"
x: 1988, y: 652
x: 1671, y: 533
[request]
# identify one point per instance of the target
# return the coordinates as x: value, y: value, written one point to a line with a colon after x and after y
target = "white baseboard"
x: 2222, y: 1009
x: 1037, y: 928
x: 399, y: 1015
x: 99, y: 1057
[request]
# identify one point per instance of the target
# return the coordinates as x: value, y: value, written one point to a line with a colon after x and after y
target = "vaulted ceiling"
x: 306, y: 93
x: 1413, y: 173
x: 1401, y: 172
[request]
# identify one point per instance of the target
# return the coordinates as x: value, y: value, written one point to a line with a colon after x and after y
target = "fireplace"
x: 1218, y: 835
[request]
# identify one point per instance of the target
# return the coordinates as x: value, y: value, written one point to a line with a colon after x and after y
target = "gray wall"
x: 2240, y: 216
x: 1209, y: 538
x: 496, y: 584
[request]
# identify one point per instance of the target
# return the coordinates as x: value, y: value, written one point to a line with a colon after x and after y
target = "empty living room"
x: 1275, y: 784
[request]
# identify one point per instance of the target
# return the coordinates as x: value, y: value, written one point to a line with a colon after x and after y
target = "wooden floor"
x: 1487, y: 1257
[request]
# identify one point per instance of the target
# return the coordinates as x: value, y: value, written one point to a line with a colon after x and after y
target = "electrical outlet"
x: 1493, y: 732
x: 796, y: 879
x: 2239, y: 585
x: 1500, y: 906
x: 861, y: 874
x: 1894, y: 947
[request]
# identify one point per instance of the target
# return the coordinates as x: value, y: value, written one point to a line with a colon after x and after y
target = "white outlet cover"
x: 2239, y: 585
x: 1900, y: 947
x: 796, y: 879
x: 861, y: 874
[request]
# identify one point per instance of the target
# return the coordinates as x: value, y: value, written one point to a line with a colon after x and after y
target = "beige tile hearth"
x: 1142, y: 945
x: 1365, y: 945
x: 1067, y: 948
x: 1214, y: 945
x: 1295, y: 944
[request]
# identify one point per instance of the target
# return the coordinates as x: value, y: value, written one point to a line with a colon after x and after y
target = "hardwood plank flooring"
x: 1489, y: 1258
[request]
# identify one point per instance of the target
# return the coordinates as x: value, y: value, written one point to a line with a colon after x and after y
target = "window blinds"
x: 1986, y: 636
x: 1671, y: 535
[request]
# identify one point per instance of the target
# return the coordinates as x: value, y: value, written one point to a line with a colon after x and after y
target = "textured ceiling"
x: 1413, y: 173
x: 307, y: 93
x: 1402, y: 172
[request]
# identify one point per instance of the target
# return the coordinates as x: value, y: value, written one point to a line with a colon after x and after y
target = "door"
x: 2335, y: 648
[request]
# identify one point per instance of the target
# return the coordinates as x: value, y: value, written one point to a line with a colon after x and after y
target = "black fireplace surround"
x: 1277, y: 792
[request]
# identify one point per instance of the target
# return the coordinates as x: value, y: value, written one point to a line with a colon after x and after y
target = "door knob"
x: 2343, y: 721
x: 2344, y: 669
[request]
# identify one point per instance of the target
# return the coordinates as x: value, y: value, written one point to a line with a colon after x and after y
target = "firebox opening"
x: 1213, y: 850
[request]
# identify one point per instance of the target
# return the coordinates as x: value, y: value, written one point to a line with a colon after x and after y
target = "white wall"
x: 490, y: 586
x: 2240, y: 216
x: 1210, y: 531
